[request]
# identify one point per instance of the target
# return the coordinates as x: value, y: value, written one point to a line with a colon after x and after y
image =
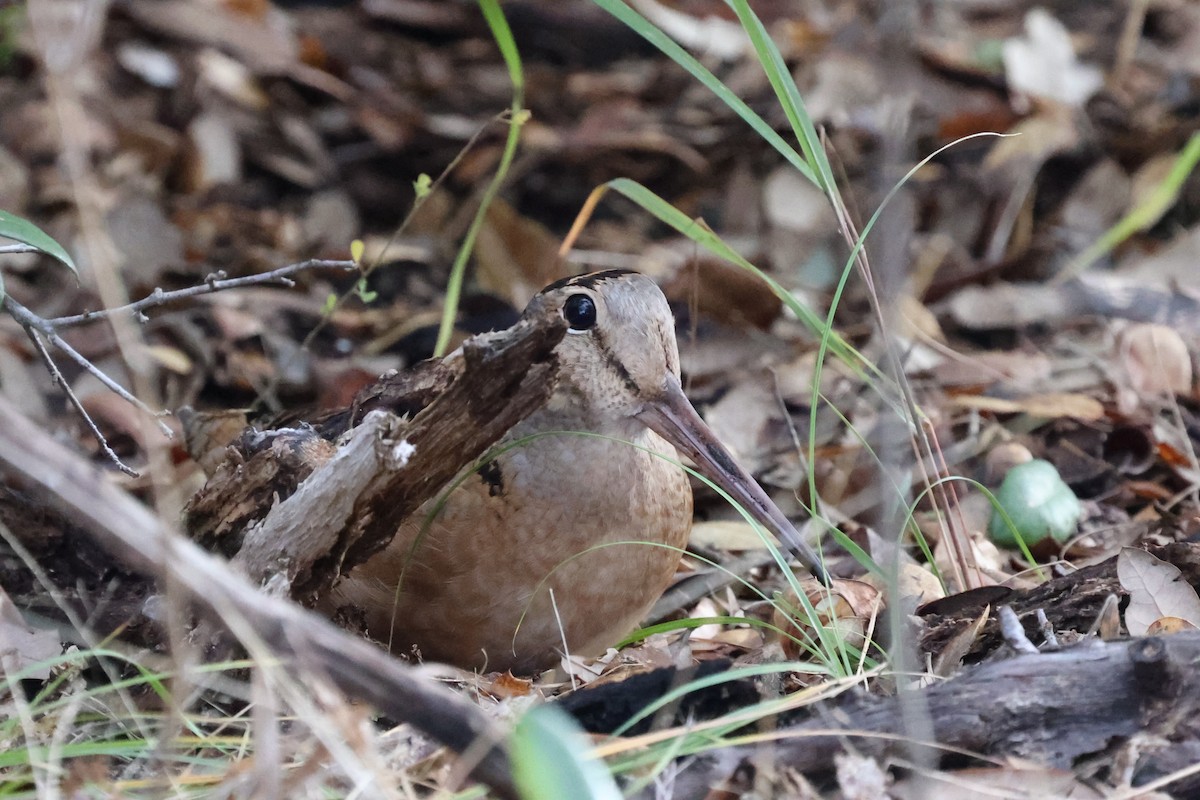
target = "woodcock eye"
x: 580, y: 311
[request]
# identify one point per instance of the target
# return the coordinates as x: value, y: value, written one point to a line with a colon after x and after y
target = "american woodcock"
x: 565, y: 540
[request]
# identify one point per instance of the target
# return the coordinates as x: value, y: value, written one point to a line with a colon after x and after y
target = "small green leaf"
x: 422, y: 185
x: 550, y: 759
x: 364, y: 294
x: 22, y: 230
x: 1037, y: 502
x: 356, y: 250
x: 330, y: 304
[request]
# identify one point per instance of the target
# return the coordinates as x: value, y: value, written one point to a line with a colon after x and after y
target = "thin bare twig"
x: 19, y: 248
x: 31, y: 321
x: 215, y: 282
x: 57, y: 375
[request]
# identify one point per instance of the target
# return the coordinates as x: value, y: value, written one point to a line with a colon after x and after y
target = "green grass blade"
x: 518, y: 115
x: 648, y: 31
x: 788, y: 95
x: 1144, y: 215
x: 704, y: 236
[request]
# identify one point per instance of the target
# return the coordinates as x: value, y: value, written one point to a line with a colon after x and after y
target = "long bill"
x: 672, y: 417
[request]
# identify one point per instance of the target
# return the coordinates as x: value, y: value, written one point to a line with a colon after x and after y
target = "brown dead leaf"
x: 1047, y: 406
x: 1167, y: 625
x: 505, y: 685
x: 1047, y: 133
x: 1175, y: 263
x: 113, y: 415
x: 583, y: 671
x: 742, y: 419
x: 1150, y: 490
x: 517, y: 255
x: 1010, y: 305
x: 1156, y: 590
x: 147, y: 241
x: 917, y: 320
x: 719, y: 291
x: 919, y: 583
x: 19, y: 384
x: 231, y: 79
x: 1108, y: 622
x: 88, y: 772
x: 747, y: 639
x: 266, y: 45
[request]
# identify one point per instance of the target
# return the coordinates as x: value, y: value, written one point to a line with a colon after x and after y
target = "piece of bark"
x: 304, y: 641
x: 298, y: 512
x: 258, y: 469
x: 1071, y: 602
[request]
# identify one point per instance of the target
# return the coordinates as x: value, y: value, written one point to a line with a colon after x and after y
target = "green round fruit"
x: 1039, y: 503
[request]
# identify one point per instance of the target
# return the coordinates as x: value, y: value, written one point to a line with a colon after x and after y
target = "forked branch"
x: 39, y: 328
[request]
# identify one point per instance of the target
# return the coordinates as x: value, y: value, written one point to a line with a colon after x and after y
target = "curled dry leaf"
x: 1003, y: 457
x: 916, y: 586
x: 848, y: 608
x: 505, y: 685
x: 1155, y: 360
x: 1156, y: 590
x: 1166, y: 625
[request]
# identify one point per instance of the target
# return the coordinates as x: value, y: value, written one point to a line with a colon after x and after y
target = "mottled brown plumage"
x: 573, y: 531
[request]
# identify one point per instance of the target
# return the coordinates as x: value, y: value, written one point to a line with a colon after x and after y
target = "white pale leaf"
x: 1156, y: 589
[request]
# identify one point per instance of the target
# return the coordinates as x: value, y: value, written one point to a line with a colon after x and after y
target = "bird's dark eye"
x: 580, y: 311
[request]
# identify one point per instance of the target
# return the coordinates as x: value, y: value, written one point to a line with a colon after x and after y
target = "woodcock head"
x: 619, y: 361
